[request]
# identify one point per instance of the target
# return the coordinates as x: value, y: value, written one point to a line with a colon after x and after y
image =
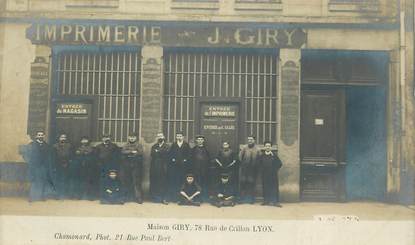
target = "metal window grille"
x: 252, y: 77
x: 113, y: 78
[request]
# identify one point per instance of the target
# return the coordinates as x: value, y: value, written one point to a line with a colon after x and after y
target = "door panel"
x: 322, y: 128
x: 322, y: 148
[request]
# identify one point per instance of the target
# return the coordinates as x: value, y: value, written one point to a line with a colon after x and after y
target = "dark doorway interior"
x: 366, y: 143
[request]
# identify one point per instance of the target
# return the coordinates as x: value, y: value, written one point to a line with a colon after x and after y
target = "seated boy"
x: 190, y: 192
x: 225, y: 193
x: 111, y: 192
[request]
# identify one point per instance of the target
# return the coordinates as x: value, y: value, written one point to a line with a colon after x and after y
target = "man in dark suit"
x: 179, y: 161
x: 270, y: 165
x: 38, y: 155
x: 200, y: 164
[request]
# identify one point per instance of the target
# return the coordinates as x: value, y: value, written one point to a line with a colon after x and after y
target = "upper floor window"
x: 258, y: 1
x: 354, y: 5
x: 261, y: 5
x: 195, y: 4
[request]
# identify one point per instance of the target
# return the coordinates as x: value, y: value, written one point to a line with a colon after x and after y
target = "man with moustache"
x: 158, y: 169
x: 38, y: 156
x: 248, y: 157
x: 132, y: 169
x: 200, y: 164
x: 179, y: 161
x: 107, y: 155
x: 63, y: 156
x: 86, y: 183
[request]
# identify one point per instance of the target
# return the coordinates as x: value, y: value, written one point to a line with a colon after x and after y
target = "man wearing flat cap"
x: 132, y: 169
x: 225, y: 192
x: 108, y: 155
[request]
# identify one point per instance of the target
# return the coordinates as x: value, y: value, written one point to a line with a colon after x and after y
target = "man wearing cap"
x: 200, y: 163
x: 158, y: 169
x: 132, y: 169
x: 38, y: 156
x: 225, y: 193
x: 111, y: 188
x: 179, y: 160
x: 107, y: 156
x: 248, y: 157
x: 88, y: 172
x: 63, y: 159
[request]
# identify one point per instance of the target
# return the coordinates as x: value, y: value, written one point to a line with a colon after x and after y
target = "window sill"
x: 92, y: 3
x: 258, y: 6
x: 354, y: 7
x: 200, y: 5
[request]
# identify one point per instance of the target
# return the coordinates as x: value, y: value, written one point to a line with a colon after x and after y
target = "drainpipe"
x: 402, y: 53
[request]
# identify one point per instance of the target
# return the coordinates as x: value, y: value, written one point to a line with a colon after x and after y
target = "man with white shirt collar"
x: 179, y: 161
x: 270, y: 164
x: 38, y: 155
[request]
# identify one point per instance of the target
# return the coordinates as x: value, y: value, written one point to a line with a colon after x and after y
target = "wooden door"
x: 322, y: 149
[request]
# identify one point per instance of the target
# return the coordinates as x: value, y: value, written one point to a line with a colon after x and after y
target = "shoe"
x: 277, y: 205
x: 165, y: 202
x: 264, y: 203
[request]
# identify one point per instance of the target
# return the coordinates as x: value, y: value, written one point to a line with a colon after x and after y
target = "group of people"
x: 178, y: 172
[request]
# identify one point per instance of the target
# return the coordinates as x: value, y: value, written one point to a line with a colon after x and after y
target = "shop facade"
x: 326, y: 95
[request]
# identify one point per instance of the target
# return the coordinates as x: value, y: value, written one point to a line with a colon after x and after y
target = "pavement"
x: 290, y: 211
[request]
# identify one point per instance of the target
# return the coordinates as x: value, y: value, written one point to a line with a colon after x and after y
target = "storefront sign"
x: 173, y: 35
x: 71, y: 109
x: 38, y: 97
x: 219, y: 111
x: 218, y: 123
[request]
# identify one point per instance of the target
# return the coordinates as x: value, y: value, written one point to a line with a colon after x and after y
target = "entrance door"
x: 74, y: 119
x: 322, y: 149
x: 219, y: 122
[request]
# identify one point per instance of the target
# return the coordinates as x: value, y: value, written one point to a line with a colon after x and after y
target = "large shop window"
x: 194, y: 75
x: 112, y: 80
